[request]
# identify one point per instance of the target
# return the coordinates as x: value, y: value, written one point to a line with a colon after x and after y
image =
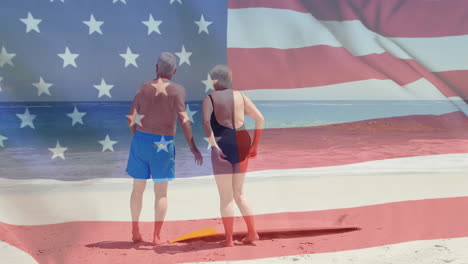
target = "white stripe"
x: 287, y: 29
x: 372, y: 89
x: 49, y: 201
x: 460, y: 103
x: 13, y: 255
x: 437, y: 54
x: 382, y: 98
x: 453, y: 251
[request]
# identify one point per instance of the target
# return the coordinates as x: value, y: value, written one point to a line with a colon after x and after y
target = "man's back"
x: 154, y: 111
x: 158, y: 103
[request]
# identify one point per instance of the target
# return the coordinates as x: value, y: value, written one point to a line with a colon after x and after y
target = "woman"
x: 231, y: 147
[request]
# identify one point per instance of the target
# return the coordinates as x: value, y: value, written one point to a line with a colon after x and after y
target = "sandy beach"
x: 88, y: 221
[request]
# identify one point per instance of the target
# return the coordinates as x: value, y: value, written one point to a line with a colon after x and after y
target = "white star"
x: 160, y: 87
x: 130, y: 57
x: 94, y: 25
x: 208, y: 83
x: 153, y: 25
x: 5, y: 57
x: 123, y: 1
x: 203, y: 25
x: 184, y: 56
x: 31, y: 23
x: 76, y: 116
x: 58, y: 151
x: 63, y: 1
x: 190, y: 113
x: 104, y: 88
x: 2, y: 138
x: 42, y: 87
x: 135, y: 118
x: 1, y: 79
x: 162, y: 144
x: 178, y: 1
x: 26, y: 119
x: 209, y: 145
x: 68, y: 58
x: 107, y: 144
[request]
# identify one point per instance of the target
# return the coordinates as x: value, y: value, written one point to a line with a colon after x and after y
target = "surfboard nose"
x: 205, y: 232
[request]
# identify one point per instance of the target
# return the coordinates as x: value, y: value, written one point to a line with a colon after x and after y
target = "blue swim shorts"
x: 151, y: 155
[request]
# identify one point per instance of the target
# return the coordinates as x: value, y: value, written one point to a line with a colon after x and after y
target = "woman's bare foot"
x: 136, y: 236
x: 250, y: 238
x: 228, y: 242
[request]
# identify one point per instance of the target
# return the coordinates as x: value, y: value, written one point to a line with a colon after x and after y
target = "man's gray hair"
x: 222, y: 75
x: 167, y: 63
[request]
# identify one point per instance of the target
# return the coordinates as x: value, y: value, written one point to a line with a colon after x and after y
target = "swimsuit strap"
x: 213, y: 113
x: 233, y: 123
x: 243, y: 100
x: 233, y: 112
x: 212, y: 103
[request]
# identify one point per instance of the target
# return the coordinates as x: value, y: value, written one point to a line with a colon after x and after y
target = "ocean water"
x: 26, y: 153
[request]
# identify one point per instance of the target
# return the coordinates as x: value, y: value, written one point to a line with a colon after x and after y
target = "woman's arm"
x: 251, y: 110
x: 207, y: 109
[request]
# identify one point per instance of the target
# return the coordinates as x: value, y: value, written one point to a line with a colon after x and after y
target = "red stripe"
x: 268, y: 68
x: 108, y: 242
x: 394, y: 18
x: 354, y: 142
x: 457, y: 81
x: 326, y: 65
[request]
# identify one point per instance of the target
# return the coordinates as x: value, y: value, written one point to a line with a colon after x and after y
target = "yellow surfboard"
x: 210, y: 231
x: 205, y: 232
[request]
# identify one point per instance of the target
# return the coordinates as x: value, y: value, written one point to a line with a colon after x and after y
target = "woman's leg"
x: 244, y: 207
x: 223, y: 175
x: 226, y: 198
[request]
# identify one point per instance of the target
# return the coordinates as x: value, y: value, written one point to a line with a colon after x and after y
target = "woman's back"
x: 226, y: 105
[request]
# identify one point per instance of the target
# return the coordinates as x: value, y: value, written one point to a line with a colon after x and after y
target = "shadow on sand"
x: 213, y: 242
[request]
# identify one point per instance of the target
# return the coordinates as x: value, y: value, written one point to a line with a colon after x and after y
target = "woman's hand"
x: 253, y: 152
x: 218, y: 153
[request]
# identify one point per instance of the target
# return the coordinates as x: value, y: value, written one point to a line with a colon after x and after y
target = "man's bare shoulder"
x: 176, y: 88
x: 144, y: 86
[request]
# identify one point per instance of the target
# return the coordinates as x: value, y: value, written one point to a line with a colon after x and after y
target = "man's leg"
x: 136, y: 201
x: 160, y: 209
x: 244, y: 207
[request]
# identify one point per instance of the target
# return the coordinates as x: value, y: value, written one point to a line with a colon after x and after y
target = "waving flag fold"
x: 364, y: 153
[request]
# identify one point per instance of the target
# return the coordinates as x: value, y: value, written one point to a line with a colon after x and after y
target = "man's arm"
x: 184, y: 122
x: 132, y: 113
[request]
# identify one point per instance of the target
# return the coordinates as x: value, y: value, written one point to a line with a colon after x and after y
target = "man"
x: 152, y: 121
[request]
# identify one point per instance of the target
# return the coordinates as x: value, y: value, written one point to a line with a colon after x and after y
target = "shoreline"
x: 107, y: 199
x: 430, y: 164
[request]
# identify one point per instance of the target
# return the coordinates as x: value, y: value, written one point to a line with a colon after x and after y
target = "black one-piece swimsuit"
x: 235, y: 143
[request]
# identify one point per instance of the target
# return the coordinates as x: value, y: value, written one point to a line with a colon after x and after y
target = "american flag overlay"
x: 363, y: 157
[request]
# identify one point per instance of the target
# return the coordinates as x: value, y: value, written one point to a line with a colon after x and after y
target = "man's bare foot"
x: 136, y: 236
x: 228, y: 242
x: 249, y: 239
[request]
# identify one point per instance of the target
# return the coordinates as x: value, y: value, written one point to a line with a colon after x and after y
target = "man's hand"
x: 198, y: 157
